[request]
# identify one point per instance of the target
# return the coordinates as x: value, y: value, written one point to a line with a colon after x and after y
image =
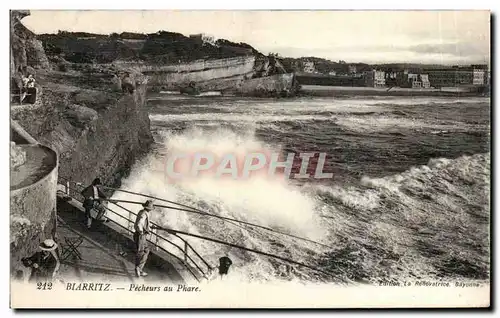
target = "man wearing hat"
x: 44, y: 263
x: 142, y: 229
x: 93, y: 197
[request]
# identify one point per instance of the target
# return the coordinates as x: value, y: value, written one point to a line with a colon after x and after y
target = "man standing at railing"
x: 142, y: 229
x: 93, y: 197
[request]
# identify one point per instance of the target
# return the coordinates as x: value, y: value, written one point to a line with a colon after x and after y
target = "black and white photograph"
x: 250, y: 159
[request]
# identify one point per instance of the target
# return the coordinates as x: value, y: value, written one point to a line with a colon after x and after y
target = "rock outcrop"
x: 96, y: 128
x: 96, y: 133
x: 170, y: 60
x: 17, y: 155
x: 26, y: 49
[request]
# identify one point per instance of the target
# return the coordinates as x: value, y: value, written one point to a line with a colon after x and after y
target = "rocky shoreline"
x: 93, y: 116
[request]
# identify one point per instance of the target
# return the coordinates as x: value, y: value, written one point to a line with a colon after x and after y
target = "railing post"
x: 131, y: 223
x: 185, y: 251
x: 67, y: 188
x: 156, y: 240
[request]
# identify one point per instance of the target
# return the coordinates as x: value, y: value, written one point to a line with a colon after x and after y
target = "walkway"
x: 106, y: 254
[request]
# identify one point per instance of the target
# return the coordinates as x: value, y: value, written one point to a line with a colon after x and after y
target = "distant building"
x: 424, y: 78
x: 203, y: 38
x: 416, y: 84
x: 208, y: 39
x: 352, y: 69
x: 309, y: 67
x: 196, y: 37
x: 414, y: 80
x: 412, y: 77
x: 375, y: 78
x: 479, y: 76
x: 450, y: 77
x: 390, y: 75
x: 459, y: 76
x: 333, y: 73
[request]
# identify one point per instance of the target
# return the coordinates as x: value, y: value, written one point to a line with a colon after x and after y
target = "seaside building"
x: 309, y: 67
x: 416, y: 84
x: 424, y: 78
x: 375, y: 78
x: 352, y: 69
x: 412, y: 77
x: 479, y: 76
x: 391, y: 78
x: 458, y: 76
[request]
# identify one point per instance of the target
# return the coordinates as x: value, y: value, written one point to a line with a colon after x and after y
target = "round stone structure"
x: 33, y: 187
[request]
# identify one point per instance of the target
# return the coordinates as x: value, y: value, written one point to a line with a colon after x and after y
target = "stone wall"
x: 26, y: 49
x: 171, y: 77
x: 33, y: 214
x: 197, y: 65
x: 17, y: 155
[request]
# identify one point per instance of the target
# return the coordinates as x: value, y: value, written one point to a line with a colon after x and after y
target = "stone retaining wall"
x: 32, y: 215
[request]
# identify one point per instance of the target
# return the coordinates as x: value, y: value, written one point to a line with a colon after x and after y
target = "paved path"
x: 105, y: 254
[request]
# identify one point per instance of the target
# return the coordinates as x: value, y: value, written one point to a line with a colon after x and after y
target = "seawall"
x: 217, y: 74
x: 244, y: 76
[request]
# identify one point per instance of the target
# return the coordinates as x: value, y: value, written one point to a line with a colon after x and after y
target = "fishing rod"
x: 150, y: 196
x: 235, y: 224
x: 225, y: 218
x: 157, y: 198
x: 175, y: 232
x: 194, y: 210
x: 249, y: 250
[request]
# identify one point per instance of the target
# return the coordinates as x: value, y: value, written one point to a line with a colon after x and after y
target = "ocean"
x: 408, y: 198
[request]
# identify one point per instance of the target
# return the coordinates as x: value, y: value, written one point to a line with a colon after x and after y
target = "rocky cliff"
x: 26, y: 49
x: 96, y: 131
x: 236, y: 75
x: 97, y: 128
x: 171, y: 61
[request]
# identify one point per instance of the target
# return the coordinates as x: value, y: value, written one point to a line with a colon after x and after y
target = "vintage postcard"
x: 250, y: 159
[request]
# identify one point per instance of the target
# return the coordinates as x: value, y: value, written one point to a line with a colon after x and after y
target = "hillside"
x: 156, y: 48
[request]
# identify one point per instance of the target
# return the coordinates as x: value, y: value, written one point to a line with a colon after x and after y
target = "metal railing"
x: 188, y: 252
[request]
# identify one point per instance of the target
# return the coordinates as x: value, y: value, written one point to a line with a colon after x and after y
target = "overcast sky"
x: 444, y: 37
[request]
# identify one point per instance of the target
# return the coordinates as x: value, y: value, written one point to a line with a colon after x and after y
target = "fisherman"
x: 24, y: 88
x: 30, y: 89
x: 224, y: 264
x: 142, y: 228
x: 44, y: 263
x: 93, y: 202
x: 128, y: 86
